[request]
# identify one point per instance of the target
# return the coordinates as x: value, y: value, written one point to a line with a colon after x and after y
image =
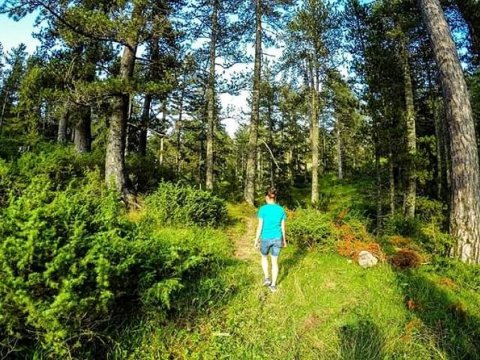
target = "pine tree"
x: 465, y: 174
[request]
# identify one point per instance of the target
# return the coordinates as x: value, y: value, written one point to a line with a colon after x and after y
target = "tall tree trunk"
x: 115, y: 157
x: 164, y: 127
x: 339, y: 151
x: 145, y: 119
x: 211, y: 95
x: 200, y: 163
x: 83, y: 130
x: 162, y: 149
x: 465, y: 183
x: 290, y: 166
x: 62, y: 126
x: 83, y: 125
x: 391, y: 179
x: 115, y: 154
x: 253, y: 138
x: 378, y: 174
x: 315, y: 136
x: 270, y: 144
x: 178, y: 128
x: 3, y: 112
x: 411, y: 177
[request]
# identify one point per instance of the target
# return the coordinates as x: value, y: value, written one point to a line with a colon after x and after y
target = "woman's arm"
x: 259, y: 232
x: 284, y: 234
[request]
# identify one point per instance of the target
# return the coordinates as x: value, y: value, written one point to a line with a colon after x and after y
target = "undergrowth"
x: 81, y: 278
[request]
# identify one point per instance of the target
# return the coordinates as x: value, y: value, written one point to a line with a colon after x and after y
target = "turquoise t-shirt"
x: 272, y: 215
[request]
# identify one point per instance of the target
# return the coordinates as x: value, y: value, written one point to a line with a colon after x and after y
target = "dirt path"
x: 243, y: 240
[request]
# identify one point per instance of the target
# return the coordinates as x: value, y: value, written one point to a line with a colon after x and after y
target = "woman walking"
x: 271, y: 236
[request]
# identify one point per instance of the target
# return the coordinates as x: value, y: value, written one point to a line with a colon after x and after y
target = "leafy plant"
x: 183, y: 205
x: 311, y: 228
x: 70, y: 263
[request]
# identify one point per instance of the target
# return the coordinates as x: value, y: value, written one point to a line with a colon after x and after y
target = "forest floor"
x: 326, y: 307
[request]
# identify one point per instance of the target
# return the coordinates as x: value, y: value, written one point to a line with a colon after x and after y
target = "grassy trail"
x: 326, y: 308
x: 242, y: 236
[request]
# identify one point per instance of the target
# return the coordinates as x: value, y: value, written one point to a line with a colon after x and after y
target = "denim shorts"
x: 272, y: 246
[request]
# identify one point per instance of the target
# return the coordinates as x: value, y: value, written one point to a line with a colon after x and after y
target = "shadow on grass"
x: 361, y: 340
x: 290, y: 261
x: 455, y: 332
x: 202, y: 298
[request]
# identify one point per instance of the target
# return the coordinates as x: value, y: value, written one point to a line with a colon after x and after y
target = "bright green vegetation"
x: 159, y: 281
x: 327, y: 307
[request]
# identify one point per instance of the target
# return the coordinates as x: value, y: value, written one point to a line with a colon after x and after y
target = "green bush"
x: 430, y: 211
x: 434, y: 241
x: 145, y: 173
x: 183, y: 205
x: 59, y: 163
x: 426, y: 229
x: 5, y: 181
x: 10, y: 146
x: 55, y: 269
x: 70, y: 263
x: 399, y: 225
x: 311, y: 228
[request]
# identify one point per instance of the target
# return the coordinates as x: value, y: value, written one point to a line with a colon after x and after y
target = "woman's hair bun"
x: 271, y: 193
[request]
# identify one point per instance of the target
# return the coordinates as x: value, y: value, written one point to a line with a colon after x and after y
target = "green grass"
x: 326, y: 308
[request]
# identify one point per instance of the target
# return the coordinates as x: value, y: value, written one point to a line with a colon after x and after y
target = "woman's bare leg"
x: 274, y: 269
x: 265, y: 266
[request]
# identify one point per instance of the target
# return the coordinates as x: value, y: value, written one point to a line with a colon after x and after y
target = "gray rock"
x: 366, y: 259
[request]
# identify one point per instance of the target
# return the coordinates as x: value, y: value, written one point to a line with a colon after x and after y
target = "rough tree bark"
x: 62, y: 126
x: 339, y: 150
x: 465, y: 179
x: 378, y: 173
x: 255, y: 119
x: 164, y: 126
x: 411, y: 177
x: 83, y: 130
x: 115, y: 157
x: 391, y: 179
x: 314, y: 133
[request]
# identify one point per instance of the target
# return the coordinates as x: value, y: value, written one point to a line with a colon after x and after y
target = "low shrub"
x: 5, y: 181
x: 310, y: 228
x: 70, y: 264
x: 324, y: 201
x: 59, y: 164
x: 145, y: 173
x: 10, y: 147
x: 399, y: 225
x: 434, y: 241
x: 430, y: 211
x: 184, y: 205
